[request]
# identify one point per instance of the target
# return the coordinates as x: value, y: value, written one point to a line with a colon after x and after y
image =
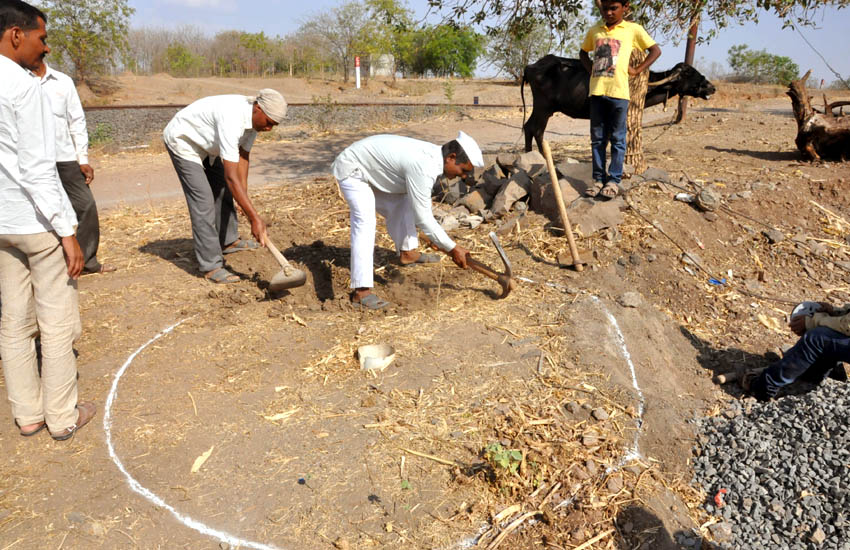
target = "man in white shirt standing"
x: 39, y: 254
x: 72, y: 161
x: 394, y: 176
x: 210, y: 146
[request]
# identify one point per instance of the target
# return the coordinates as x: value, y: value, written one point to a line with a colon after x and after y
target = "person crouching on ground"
x: 394, y: 176
x: 612, y: 42
x: 209, y: 143
x: 824, y: 343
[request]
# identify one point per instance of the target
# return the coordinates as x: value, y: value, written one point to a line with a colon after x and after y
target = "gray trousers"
x: 82, y: 199
x: 211, y: 209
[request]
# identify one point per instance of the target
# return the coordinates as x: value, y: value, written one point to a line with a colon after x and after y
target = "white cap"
x: 471, y: 149
x: 272, y: 103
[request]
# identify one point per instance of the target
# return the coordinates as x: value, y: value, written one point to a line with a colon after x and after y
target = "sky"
x: 831, y: 36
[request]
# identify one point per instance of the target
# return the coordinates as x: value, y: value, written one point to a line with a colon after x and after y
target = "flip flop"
x: 424, y: 258
x: 594, y: 189
x: 371, y: 301
x: 41, y: 426
x: 222, y: 276
x: 239, y: 245
x: 85, y: 412
x: 610, y: 191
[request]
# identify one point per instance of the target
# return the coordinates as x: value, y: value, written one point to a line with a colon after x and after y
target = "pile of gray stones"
x: 785, y: 468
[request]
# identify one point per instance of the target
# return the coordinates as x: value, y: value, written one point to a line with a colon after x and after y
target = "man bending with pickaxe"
x: 394, y: 175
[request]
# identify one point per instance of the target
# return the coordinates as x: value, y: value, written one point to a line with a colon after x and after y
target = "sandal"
x: 371, y: 301
x: 594, y: 189
x: 85, y: 412
x: 104, y: 268
x: 40, y: 426
x: 424, y: 258
x: 239, y: 245
x: 222, y: 276
x: 610, y: 190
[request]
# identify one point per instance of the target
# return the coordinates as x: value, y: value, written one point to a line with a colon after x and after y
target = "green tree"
x: 443, y: 50
x: 91, y: 34
x: 762, y: 67
x: 181, y: 61
x: 515, y: 46
x: 344, y: 32
x: 661, y: 16
x: 258, y: 47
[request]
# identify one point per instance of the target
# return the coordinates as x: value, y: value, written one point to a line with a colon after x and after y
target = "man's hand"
x: 258, y: 230
x: 73, y: 256
x: 633, y: 71
x: 458, y: 254
x: 798, y: 325
x: 88, y: 172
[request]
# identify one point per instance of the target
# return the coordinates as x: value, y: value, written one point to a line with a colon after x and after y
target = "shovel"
x: 288, y: 276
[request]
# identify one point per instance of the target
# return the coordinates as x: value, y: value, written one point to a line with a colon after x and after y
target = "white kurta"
x: 72, y: 138
x: 393, y: 176
x: 215, y: 126
x: 32, y: 199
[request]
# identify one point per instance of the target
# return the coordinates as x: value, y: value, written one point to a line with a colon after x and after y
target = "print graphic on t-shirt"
x: 605, y: 56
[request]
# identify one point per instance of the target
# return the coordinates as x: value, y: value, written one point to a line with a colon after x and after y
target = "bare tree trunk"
x: 690, y: 46
x: 637, y: 91
x: 819, y: 135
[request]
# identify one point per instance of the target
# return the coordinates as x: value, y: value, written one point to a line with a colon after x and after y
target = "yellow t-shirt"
x: 611, y: 50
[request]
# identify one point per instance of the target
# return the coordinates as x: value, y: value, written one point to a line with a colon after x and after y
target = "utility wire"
x: 836, y: 73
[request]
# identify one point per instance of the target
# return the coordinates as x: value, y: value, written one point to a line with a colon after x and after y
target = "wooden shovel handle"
x: 562, y: 208
x: 276, y: 253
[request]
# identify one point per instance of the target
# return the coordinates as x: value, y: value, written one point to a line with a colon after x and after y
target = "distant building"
x: 381, y: 65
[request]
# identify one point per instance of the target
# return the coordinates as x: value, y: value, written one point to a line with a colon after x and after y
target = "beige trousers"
x: 38, y: 297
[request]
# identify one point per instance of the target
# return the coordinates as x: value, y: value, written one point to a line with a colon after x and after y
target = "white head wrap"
x: 272, y: 103
x: 471, y: 149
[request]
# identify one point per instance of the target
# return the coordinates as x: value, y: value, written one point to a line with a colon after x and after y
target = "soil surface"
x: 304, y: 450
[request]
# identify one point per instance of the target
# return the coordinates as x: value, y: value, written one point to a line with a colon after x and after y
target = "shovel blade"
x: 287, y: 278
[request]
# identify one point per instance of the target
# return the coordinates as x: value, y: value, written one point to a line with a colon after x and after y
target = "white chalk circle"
x: 144, y: 491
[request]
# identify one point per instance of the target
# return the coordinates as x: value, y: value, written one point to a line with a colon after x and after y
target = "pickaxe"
x: 505, y: 279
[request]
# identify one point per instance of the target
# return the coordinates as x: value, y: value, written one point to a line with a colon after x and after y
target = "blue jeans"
x: 608, y: 123
x: 812, y: 359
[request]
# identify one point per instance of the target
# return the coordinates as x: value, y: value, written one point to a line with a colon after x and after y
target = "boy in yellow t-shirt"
x: 612, y: 42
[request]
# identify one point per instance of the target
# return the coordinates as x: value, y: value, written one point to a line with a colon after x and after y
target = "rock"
x: 721, y: 532
x: 594, y: 215
x: 95, y: 529
x: 491, y: 181
x: 615, y: 484
x: 590, y: 465
x: 471, y: 221
x: 708, y: 200
x: 634, y: 259
x: 516, y: 188
x: 710, y: 216
x: 656, y: 174
x: 651, y: 257
x: 449, y: 223
x: 532, y: 163
x: 543, y: 196
x: 818, y: 536
x: 774, y: 236
x: 630, y: 299
x: 341, y: 544
x: 590, y: 440
x: 600, y: 414
x: 475, y: 201
x: 76, y: 517
x: 506, y: 161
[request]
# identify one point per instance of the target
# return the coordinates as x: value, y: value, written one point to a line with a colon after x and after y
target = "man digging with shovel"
x: 394, y: 175
x: 210, y: 143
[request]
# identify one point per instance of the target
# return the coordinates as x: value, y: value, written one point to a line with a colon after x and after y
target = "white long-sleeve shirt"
x: 214, y: 126
x: 72, y: 137
x: 399, y: 165
x: 32, y: 199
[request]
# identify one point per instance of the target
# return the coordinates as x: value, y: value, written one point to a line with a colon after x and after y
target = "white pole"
x: 357, y: 71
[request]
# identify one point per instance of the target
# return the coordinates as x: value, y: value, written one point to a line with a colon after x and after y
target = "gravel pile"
x: 785, y: 466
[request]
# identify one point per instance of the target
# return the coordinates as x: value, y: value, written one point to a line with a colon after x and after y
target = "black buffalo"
x: 559, y: 84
